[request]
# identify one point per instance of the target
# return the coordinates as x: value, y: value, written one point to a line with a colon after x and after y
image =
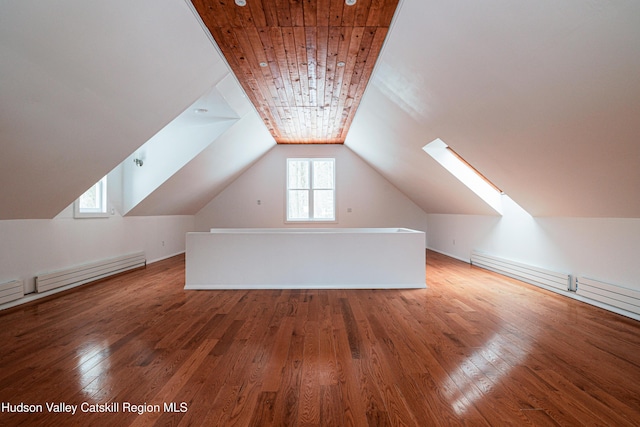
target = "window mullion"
x: 311, y: 187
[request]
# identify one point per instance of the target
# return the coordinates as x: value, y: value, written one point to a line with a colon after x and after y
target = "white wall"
x: 32, y: 247
x: 601, y: 248
x: 374, y: 202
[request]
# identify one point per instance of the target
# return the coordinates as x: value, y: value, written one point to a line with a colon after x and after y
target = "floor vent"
x: 613, y: 295
x: 11, y: 291
x: 527, y: 273
x: 89, y: 272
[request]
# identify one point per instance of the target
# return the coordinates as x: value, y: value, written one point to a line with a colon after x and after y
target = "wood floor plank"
x: 474, y: 348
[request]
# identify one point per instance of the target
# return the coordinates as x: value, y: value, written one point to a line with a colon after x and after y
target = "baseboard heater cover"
x: 86, y: 273
x: 607, y: 293
x: 526, y: 273
x: 11, y: 291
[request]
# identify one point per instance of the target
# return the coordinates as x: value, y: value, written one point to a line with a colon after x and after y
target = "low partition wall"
x: 305, y: 258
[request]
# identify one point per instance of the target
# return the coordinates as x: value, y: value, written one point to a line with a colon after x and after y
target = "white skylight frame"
x: 439, y: 151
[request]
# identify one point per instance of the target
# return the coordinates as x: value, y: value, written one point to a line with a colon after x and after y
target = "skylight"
x: 462, y: 170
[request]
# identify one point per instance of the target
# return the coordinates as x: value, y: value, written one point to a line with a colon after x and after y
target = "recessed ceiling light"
x: 263, y: 64
x: 201, y: 110
x: 350, y: 2
x: 341, y: 64
x: 244, y: 2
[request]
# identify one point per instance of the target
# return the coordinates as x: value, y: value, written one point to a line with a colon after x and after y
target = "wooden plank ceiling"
x: 303, y: 63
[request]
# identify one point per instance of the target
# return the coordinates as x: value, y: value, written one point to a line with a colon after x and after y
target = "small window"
x: 311, y: 190
x: 93, y: 203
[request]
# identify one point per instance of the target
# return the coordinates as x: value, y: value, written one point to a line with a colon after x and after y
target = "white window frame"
x: 102, y: 210
x: 311, y: 189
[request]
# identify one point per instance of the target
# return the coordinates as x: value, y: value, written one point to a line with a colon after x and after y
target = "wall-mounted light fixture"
x: 241, y: 2
x: 350, y: 2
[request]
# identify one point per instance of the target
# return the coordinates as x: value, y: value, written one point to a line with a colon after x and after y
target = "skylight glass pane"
x: 438, y: 150
x: 298, y: 204
x: 323, y: 202
x: 298, y: 174
x: 323, y: 174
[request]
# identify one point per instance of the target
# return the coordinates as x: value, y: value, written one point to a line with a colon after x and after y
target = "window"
x: 93, y: 203
x: 311, y: 194
x: 466, y: 173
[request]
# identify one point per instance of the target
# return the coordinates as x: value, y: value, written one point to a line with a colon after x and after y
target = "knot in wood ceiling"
x: 304, y: 64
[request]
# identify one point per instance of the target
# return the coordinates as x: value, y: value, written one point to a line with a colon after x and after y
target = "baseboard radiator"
x: 11, y: 291
x: 606, y: 293
x: 89, y: 272
x: 526, y: 273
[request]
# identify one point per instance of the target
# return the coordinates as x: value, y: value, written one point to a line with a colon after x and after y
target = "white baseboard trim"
x: 164, y: 257
x: 467, y: 260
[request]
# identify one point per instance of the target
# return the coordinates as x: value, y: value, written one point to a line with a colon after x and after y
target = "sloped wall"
x: 364, y: 197
x: 83, y: 85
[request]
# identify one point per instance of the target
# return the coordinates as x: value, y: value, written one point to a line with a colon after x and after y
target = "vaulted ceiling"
x: 542, y: 97
x: 304, y: 64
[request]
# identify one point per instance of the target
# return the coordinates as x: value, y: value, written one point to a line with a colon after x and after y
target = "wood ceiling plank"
x: 350, y: 68
x: 270, y: 13
x: 257, y: 13
x: 283, y: 13
x: 243, y: 16
x: 297, y: 13
x: 322, y: 40
x: 300, y: 44
x: 293, y: 76
x: 310, y: 11
x: 330, y: 79
x: 342, y: 77
x: 335, y: 13
x: 284, y: 90
x: 373, y: 19
x: 387, y: 13
x: 362, y: 13
x: 284, y: 48
x: 311, y: 38
x: 348, y: 16
x: 300, y: 41
x: 212, y: 13
x: 312, y: 77
x: 234, y: 14
x: 323, y: 13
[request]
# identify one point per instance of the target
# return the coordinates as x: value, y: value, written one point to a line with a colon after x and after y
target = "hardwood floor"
x: 474, y: 348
